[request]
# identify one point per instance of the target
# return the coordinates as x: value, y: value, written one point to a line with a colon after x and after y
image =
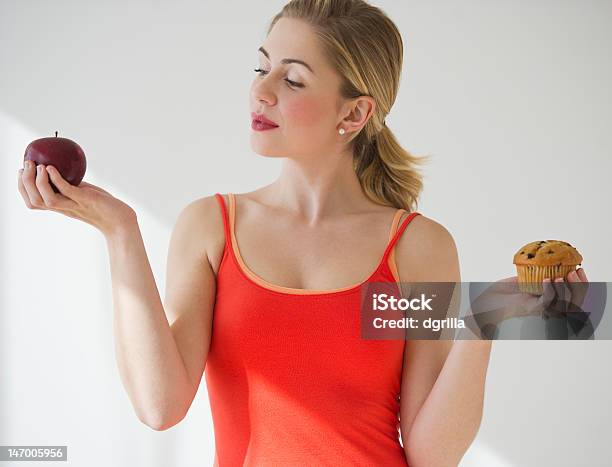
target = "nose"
x: 262, y: 93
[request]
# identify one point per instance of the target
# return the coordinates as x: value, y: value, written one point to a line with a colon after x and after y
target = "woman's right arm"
x: 160, y: 364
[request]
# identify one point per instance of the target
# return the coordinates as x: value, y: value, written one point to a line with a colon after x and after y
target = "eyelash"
x: 291, y: 83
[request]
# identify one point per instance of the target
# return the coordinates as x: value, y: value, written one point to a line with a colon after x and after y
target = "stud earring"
x: 341, y: 131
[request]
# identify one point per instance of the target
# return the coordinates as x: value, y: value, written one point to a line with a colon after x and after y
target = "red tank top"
x: 290, y: 381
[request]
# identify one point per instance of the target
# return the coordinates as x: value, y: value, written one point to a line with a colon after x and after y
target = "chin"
x: 269, y: 153
x: 266, y: 150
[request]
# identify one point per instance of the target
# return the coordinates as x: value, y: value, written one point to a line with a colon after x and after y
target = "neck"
x: 319, y: 188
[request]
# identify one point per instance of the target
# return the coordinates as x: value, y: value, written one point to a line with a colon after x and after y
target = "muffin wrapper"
x: 530, y: 277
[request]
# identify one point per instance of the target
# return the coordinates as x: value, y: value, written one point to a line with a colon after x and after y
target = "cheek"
x: 305, y: 112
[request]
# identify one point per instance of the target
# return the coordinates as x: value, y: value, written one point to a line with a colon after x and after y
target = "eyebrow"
x: 287, y: 60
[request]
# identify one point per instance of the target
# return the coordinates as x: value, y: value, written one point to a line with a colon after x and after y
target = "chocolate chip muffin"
x: 543, y: 259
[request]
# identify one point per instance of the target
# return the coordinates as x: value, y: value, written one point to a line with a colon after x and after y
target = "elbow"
x: 159, y: 421
x: 163, y: 416
x: 423, y: 453
x: 159, y: 426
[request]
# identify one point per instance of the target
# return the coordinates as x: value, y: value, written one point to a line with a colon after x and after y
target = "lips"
x: 261, y: 118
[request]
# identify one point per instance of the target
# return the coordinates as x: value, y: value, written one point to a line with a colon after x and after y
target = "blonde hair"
x: 366, y: 49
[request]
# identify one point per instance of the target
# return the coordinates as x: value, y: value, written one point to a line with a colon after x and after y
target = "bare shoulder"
x: 200, y: 224
x: 427, y: 251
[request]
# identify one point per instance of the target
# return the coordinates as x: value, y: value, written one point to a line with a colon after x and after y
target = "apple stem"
x: 56, y: 134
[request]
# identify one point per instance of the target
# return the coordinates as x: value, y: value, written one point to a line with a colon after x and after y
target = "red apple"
x: 62, y: 153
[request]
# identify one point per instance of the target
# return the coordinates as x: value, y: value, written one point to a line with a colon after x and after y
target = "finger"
x: 573, y: 277
x: 545, y: 301
x: 22, y: 190
x: 582, y: 275
x: 42, y: 184
x: 29, y: 182
x: 52, y: 200
x: 578, y: 291
x: 561, y: 288
x: 563, y: 294
x: 65, y: 188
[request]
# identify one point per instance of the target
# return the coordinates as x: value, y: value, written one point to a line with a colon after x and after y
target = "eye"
x: 291, y: 83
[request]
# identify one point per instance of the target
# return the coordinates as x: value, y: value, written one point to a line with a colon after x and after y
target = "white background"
x: 511, y: 98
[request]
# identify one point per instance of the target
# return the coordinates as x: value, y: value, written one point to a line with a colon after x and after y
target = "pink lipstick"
x: 261, y: 123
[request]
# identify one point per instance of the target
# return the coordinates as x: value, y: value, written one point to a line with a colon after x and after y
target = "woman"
x: 280, y: 269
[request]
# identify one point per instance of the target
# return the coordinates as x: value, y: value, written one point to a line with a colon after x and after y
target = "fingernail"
x: 38, y: 168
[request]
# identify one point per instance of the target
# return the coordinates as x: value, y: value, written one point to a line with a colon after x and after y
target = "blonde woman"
x: 263, y: 287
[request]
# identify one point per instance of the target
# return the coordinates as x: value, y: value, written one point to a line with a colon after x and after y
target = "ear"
x: 364, y: 109
x: 359, y: 112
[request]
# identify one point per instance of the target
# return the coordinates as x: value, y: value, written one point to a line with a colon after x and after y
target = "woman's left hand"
x: 503, y: 299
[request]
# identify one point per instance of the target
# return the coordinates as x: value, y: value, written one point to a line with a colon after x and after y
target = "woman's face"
x: 304, y: 101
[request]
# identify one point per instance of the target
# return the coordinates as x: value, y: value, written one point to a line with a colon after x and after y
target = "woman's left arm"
x: 442, y: 391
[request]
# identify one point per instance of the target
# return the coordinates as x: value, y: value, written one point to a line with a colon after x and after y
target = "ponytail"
x: 387, y: 172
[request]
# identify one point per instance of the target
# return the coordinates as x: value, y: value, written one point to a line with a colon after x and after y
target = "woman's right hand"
x: 85, y: 202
